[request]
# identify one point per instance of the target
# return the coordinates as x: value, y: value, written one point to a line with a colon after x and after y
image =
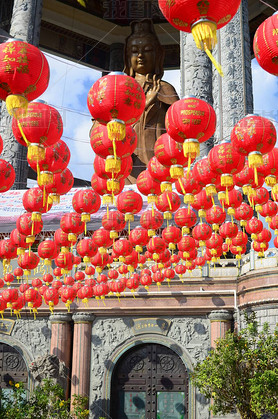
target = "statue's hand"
x: 153, y: 91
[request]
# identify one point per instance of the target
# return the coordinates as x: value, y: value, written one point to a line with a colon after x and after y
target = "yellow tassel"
x: 82, y: 2
x: 227, y: 180
x: 205, y: 37
x: 107, y: 199
x: 113, y: 186
x: 211, y: 190
x: 166, y: 186
x: 72, y: 237
x: 182, y: 187
x: 36, y: 152
x: 167, y: 215
x: 16, y: 102
x: 116, y: 130
x: 112, y: 164
x: 152, y: 199
x: 176, y: 171
x: 270, y: 180
x: 169, y: 202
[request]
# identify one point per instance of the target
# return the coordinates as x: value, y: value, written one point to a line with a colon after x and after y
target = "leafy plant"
x: 242, y: 372
x: 46, y: 402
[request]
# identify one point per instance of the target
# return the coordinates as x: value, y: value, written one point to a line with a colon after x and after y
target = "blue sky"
x: 69, y: 86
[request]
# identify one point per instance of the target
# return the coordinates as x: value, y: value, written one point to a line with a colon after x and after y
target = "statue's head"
x: 143, y: 52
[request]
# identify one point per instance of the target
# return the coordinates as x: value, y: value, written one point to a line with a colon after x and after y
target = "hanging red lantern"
x: 203, y: 174
x: 103, y: 170
x: 202, y: 19
x: 146, y: 281
x: 101, y: 238
x: 28, y: 227
x: 61, y: 239
x: 8, y: 278
x: 106, y: 186
x: 158, y: 277
x: 171, y: 235
x: 260, y: 198
x: 200, y: 261
x: 151, y: 220
x: 41, y: 124
x: 215, y: 241
x: 225, y: 161
x: 202, y: 203
x: 7, y: 175
x: 170, y: 154
x: 188, y: 186
x: 51, y: 298
x: 129, y: 203
x: 180, y: 270
x: 139, y: 238
x: 64, y: 261
x: 9, y: 295
x: 48, y: 250
x: 56, y: 160
x: 24, y: 73
x: 156, y: 245
x: 202, y: 232
x: 8, y: 251
x: 215, y: 216
x: 168, y: 202
x: 234, y: 201
x: 264, y: 236
x: 265, y: 44
x: 122, y: 247
x: 148, y: 186
x: 243, y: 213
x: 260, y: 247
x: 18, y: 272
x: 246, y: 179
x: 102, y: 145
x: 28, y: 261
x: 62, y: 184
x: 132, y: 259
x: 100, y: 260
x: 254, y: 136
x: 36, y: 283
x: 159, y: 172
x: 69, y: 281
x: 268, y: 210
x: 86, y: 202
x: 186, y: 243
x: 72, y: 224
x: 89, y: 270
x: 113, y: 221
x: 240, y: 239
x: 190, y: 121
x: 185, y: 218
x: 33, y: 201
x: 87, y: 248
x: 68, y: 295
x: 19, y: 240
x: 270, y: 167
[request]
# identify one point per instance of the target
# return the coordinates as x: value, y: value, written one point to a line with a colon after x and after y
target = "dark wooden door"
x: 150, y: 382
x: 12, y: 367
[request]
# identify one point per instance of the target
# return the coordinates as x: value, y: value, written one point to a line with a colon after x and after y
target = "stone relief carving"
x: 192, y: 334
x: 34, y: 335
x: 49, y: 366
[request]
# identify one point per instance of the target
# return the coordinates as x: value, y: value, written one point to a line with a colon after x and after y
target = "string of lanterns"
x: 107, y: 263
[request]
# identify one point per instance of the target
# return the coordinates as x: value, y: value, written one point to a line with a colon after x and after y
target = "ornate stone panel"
x: 232, y: 94
x: 189, y: 333
x: 25, y: 25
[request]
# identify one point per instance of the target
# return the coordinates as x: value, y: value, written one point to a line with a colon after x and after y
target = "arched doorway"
x: 149, y: 382
x: 12, y: 367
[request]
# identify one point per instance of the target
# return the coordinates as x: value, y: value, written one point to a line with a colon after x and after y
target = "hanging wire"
x: 269, y: 5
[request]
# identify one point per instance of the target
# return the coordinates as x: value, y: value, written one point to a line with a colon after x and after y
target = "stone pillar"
x: 81, y: 356
x: 196, y: 77
x: 220, y: 323
x: 61, y: 337
x: 25, y: 25
x: 232, y: 94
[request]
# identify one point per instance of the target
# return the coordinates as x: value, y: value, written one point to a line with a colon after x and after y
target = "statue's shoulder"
x: 167, y: 93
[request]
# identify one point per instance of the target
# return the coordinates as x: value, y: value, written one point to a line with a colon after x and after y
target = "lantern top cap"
x: 40, y: 101
x: 251, y: 114
x: 116, y: 73
x: 14, y: 39
x: 189, y: 97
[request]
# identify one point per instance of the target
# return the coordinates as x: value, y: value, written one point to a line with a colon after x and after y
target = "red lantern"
x: 151, y: 220
x: 19, y: 240
x: 7, y: 250
x: 68, y: 295
x: 89, y: 270
x: 122, y: 247
x: 158, y: 277
x: 169, y: 152
x: 260, y: 198
x: 56, y: 160
x: 185, y: 217
x: 24, y: 73
x: 260, y: 247
x: 147, y: 185
x: 188, y: 186
x: 8, y: 278
x: 202, y: 232
x: 65, y: 261
x: 71, y: 223
x: 105, y: 172
x: 240, y: 239
x: 171, y: 235
x: 104, y: 186
x: 202, y: 202
x: 10, y: 295
x: 86, y: 202
x: 41, y: 124
x: 225, y: 161
x: 159, y: 172
x: 51, y: 297
x: 264, y: 236
x: 101, y: 238
x: 47, y: 250
x: 28, y: 261
x: 265, y: 44
x: 113, y: 221
x: 215, y: 241
x: 202, y: 19
x: 33, y: 201
x: 246, y: 177
x: 103, y: 146
x: 116, y: 96
x: 215, y: 216
x: 203, y: 174
x: 87, y: 248
x: 270, y: 167
x: 253, y: 136
x: 27, y: 226
x: 168, y: 202
x: 243, y: 213
x: 129, y: 203
x: 48, y: 278
x: 156, y: 245
x: 234, y: 201
x: 100, y: 260
x: 1, y: 144
x: 18, y: 272
x: 7, y: 175
x: 61, y: 238
x: 139, y: 237
x: 186, y: 244
x: 268, y: 210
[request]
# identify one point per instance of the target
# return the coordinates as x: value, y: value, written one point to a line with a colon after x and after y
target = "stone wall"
x: 267, y: 313
x: 111, y: 337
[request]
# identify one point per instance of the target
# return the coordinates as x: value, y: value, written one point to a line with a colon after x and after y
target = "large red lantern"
x: 62, y: 183
x: 156, y: 245
x: 268, y: 210
x: 86, y: 202
x: 107, y: 172
x: 188, y: 186
x: 260, y: 198
x: 61, y: 238
x: 265, y: 44
x: 215, y: 216
x: 151, y: 220
x: 203, y: 174
x: 28, y: 261
x: 33, y: 201
x: 168, y: 202
x: 48, y: 250
x: 24, y: 73
x: 7, y: 175
x: 7, y: 251
x: 202, y: 232
x: 201, y: 18
x: 254, y: 136
x: 41, y: 124
x: 234, y: 201
x: 65, y: 261
x: 72, y: 224
x: 19, y: 240
x: 225, y: 161
x: 185, y: 217
x: 129, y: 203
x: 27, y: 226
x: 122, y: 247
x: 190, y: 121
x: 243, y: 213
x: 186, y: 244
x: 101, y: 238
x: 147, y: 185
x: 170, y: 153
x: 215, y: 241
x: 113, y: 221
x: 246, y: 178
x: 56, y: 159
x: 86, y: 248
x: 139, y: 237
x: 171, y: 235
x: 159, y: 172
x: 106, y: 186
x: 202, y: 202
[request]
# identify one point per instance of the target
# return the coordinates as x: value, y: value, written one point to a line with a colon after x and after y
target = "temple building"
x: 132, y: 356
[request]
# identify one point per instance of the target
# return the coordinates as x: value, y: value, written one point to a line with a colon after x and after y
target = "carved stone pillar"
x: 25, y: 25
x: 220, y: 323
x: 232, y: 94
x: 61, y: 336
x: 196, y: 77
x: 81, y: 356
